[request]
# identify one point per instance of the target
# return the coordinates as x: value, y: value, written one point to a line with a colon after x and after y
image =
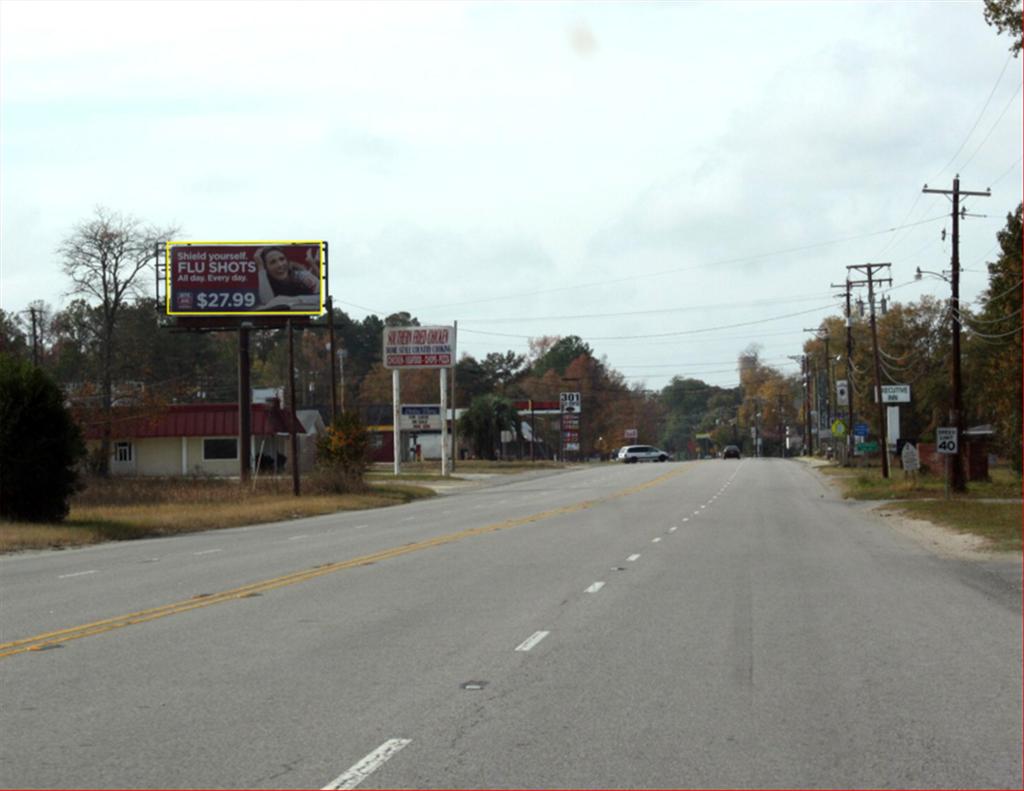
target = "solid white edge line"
x: 595, y: 587
x: 531, y: 641
x: 371, y: 763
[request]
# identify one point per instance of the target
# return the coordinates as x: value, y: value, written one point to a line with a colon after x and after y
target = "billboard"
x: 419, y: 347
x: 242, y: 278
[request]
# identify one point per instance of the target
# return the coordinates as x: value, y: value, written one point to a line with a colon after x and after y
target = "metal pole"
x: 395, y: 409
x: 334, y: 359
x: 455, y: 423
x: 291, y: 410
x: 444, y: 422
x: 244, y: 406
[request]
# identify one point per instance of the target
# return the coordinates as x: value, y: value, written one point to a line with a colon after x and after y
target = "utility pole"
x: 802, y: 359
x: 869, y: 270
x: 849, y: 370
x: 823, y: 334
x: 35, y: 338
x: 956, y: 407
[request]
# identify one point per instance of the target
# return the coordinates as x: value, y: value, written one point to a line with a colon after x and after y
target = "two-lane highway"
x: 718, y: 623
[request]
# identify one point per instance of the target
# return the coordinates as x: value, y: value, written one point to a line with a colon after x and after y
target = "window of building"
x: 220, y: 448
x: 123, y: 452
x: 376, y: 440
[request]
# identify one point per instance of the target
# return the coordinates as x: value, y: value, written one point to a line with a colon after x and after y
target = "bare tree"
x: 108, y: 259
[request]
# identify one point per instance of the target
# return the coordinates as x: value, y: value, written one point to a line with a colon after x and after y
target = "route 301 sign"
x: 945, y: 440
x: 570, y: 402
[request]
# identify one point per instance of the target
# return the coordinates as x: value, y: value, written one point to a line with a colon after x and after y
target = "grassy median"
x: 922, y: 496
x: 125, y: 509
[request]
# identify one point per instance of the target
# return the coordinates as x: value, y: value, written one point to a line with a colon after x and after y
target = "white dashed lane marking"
x: 531, y: 641
x: 371, y: 763
x: 207, y: 552
x: 76, y: 574
x: 595, y: 587
x: 632, y: 558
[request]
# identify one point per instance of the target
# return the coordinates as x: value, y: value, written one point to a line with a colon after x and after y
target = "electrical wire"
x: 663, y: 334
x: 991, y: 129
x: 977, y: 120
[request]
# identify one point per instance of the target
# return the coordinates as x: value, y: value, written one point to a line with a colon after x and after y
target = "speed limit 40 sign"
x: 945, y: 440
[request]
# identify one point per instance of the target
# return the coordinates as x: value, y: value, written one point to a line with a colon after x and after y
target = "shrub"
x: 40, y: 444
x: 342, y: 455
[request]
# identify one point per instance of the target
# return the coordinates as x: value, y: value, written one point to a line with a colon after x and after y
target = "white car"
x: 631, y: 454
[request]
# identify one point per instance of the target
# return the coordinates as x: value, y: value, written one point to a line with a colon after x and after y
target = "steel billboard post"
x: 244, y: 405
x: 444, y: 422
x: 396, y: 427
x: 291, y: 411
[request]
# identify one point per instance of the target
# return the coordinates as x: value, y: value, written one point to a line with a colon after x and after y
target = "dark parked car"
x: 731, y: 452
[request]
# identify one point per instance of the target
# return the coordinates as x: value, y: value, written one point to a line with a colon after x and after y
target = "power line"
x: 992, y: 128
x: 977, y: 120
x: 662, y: 334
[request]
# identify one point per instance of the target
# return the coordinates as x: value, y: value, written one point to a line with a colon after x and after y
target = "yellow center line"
x: 40, y: 641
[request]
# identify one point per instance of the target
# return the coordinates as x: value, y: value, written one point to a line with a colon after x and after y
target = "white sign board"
x: 910, y: 458
x: 945, y: 440
x: 420, y: 417
x: 842, y: 392
x: 419, y: 347
x: 894, y: 394
x: 570, y: 402
x: 631, y: 433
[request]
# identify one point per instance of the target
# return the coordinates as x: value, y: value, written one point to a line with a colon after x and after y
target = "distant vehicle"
x: 631, y: 454
x: 730, y: 452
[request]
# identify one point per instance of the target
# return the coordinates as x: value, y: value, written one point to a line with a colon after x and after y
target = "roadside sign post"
x: 419, y: 348
x: 948, y: 444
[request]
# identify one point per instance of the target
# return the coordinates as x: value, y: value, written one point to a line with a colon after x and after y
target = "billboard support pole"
x: 395, y: 425
x: 291, y: 410
x: 455, y: 428
x: 244, y: 406
x: 444, y: 422
x: 334, y: 359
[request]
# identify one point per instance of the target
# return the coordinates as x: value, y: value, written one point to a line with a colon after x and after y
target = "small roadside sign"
x: 868, y: 447
x: 910, y: 458
x: 860, y: 429
x: 894, y: 394
x: 842, y: 392
x: 570, y: 402
x: 946, y: 440
x: 838, y: 428
x: 630, y: 433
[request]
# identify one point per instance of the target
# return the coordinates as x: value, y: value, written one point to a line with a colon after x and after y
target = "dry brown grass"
x: 141, y: 508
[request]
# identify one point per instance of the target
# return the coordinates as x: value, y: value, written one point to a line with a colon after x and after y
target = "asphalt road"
x: 706, y: 624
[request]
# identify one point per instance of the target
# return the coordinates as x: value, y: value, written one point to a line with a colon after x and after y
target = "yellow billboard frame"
x: 320, y: 243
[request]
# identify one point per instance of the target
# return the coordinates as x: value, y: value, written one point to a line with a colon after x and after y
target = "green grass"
x: 125, y: 509
x: 999, y: 523
x: 923, y: 497
x: 868, y: 484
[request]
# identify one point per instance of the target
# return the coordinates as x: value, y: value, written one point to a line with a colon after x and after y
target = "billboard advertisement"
x: 419, y: 347
x: 240, y: 278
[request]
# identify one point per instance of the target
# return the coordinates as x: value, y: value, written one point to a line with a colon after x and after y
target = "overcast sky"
x: 636, y: 174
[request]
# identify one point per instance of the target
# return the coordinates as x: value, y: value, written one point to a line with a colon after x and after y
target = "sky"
x: 671, y: 182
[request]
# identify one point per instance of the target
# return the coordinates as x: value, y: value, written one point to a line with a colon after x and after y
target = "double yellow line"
x: 40, y: 642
